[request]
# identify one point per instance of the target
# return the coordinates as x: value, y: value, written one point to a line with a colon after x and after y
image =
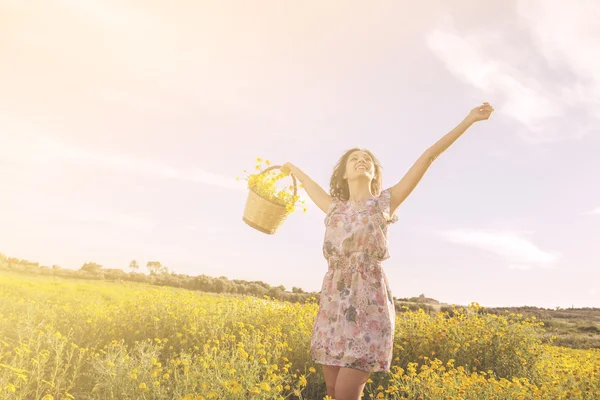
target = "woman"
x: 353, y: 332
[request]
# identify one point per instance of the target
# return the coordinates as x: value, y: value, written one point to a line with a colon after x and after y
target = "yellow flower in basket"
x: 268, y: 205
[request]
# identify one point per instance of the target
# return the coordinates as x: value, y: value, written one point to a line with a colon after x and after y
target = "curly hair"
x: 338, y: 186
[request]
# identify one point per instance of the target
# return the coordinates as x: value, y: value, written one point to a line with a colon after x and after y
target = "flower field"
x: 75, y: 339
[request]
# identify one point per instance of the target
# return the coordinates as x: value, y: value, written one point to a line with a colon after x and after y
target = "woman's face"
x: 359, y: 165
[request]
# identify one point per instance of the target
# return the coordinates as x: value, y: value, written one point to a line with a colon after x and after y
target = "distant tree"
x: 297, y: 290
x: 155, y: 267
x: 134, y: 266
x: 220, y: 285
x: 114, y: 273
x: 281, y: 287
x: 275, y: 292
x: 263, y: 284
x: 202, y: 282
x: 294, y: 298
x: 257, y: 289
x: 91, y: 267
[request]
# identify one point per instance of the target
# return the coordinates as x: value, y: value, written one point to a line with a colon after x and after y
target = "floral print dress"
x: 354, y: 327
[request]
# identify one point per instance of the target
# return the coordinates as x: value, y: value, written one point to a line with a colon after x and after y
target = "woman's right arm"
x: 316, y: 193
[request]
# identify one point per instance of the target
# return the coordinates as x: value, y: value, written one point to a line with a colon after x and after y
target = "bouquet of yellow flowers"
x: 268, y: 204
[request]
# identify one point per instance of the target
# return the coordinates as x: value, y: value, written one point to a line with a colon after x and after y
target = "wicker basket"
x: 262, y: 214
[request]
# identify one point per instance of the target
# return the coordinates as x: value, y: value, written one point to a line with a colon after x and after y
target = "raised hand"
x: 481, y: 112
x: 287, y: 168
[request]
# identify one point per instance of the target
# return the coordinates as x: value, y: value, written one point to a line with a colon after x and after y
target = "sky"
x: 124, y: 125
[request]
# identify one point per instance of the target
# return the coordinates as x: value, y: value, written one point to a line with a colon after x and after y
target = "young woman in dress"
x: 353, y: 333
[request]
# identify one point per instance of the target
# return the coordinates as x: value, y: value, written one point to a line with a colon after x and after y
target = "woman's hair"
x: 338, y: 186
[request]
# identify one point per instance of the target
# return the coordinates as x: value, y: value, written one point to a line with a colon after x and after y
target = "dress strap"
x: 384, y: 206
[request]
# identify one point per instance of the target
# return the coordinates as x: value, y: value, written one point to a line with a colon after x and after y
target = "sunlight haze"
x: 123, y: 128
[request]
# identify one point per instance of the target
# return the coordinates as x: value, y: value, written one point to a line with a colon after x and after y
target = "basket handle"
x: 279, y: 166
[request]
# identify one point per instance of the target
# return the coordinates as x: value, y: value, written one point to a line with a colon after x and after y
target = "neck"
x: 360, y: 191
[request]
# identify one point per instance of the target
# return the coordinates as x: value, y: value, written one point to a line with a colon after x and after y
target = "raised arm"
x: 316, y: 193
x: 401, y: 190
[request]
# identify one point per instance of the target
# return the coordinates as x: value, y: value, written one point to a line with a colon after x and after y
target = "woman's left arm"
x: 401, y: 190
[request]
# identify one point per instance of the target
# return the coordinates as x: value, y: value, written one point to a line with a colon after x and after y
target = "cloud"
x: 121, y: 162
x: 467, y: 58
x: 21, y: 143
x: 519, y: 251
x: 549, y: 82
x: 595, y: 211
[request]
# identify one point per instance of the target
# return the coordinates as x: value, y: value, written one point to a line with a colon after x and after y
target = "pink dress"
x: 354, y: 327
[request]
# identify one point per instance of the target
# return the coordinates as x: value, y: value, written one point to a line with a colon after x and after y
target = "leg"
x: 330, y: 372
x: 350, y: 383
